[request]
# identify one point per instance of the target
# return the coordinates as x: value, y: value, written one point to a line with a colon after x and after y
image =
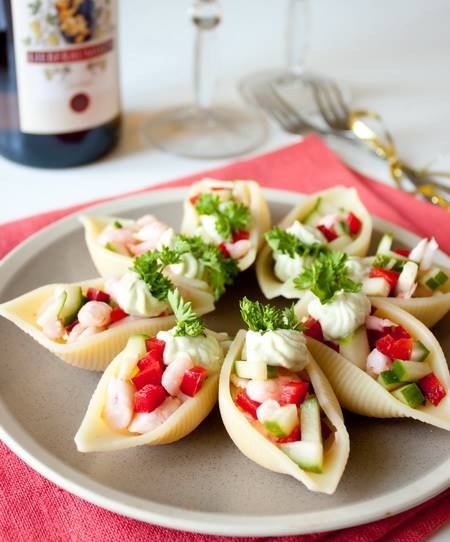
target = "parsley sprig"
x: 283, y: 242
x: 188, y: 323
x: 327, y: 276
x: 231, y: 216
x: 149, y: 268
x: 262, y: 318
x: 218, y: 270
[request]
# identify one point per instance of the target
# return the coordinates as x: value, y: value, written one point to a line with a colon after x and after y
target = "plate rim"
x: 58, y: 472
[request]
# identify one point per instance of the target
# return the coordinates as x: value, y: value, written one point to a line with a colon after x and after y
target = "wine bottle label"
x: 66, y: 64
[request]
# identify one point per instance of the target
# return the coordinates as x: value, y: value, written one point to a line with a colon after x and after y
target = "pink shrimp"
x: 119, y: 235
x: 261, y: 390
x: 173, y: 375
x: 118, y: 409
x: 53, y: 329
x: 94, y: 314
x: 79, y: 332
x: 143, y: 422
x: 238, y: 249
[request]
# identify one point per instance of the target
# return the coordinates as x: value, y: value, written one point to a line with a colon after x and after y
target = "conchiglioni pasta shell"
x: 95, y: 352
x: 107, y: 262
x: 338, y: 196
x: 428, y: 310
x: 250, y: 194
x: 95, y: 435
x: 360, y: 393
x: 260, y: 450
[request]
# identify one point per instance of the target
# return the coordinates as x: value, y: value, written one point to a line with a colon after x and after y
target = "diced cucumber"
x: 73, y: 303
x: 312, y: 213
x: 135, y: 349
x: 272, y: 371
x: 389, y: 380
x: 53, y: 310
x: 307, y: 455
x: 355, y: 347
x: 434, y: 278
x: 407, y: 277
x: 340, y: 243
x: 255, y: 370
x: 385, y: 243
x: 419, y: 351
x: 410, y: 395
x: 391, y: 260
x: 410, y: 371
x: 342, y: 228
x: 283, y: 421
x: 117, y: 225
x: 376, y: 286
x: 310, y: 420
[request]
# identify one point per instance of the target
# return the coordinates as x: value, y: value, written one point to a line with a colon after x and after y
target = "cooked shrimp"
x: 94, y: 314
x: 143, y: 422
x: 118, y: 409
x: 261, y: 390
x: 239, y: 249
x: 174, y: 373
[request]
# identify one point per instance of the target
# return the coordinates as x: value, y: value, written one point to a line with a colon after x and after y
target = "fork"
x: 336, y: 113
x: 271, y: 101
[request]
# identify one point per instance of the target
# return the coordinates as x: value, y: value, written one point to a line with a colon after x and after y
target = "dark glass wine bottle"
x: 59, y: 93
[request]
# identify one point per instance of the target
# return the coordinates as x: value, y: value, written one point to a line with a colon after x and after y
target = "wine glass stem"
x: 206, y: 15
x: 298, y: 27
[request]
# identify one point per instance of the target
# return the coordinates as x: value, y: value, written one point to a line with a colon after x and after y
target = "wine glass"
x: 293, y: 80
x: 204, y: 129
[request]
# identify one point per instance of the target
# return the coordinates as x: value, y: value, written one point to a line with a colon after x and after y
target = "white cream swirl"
x: 287, y: 268
x: 358, y: 268
x: 307, y: 234
x: 342, y: 316
x: 134, y: 297
x: 208, y: 231
x: 282, y: 347
x: 188, y: 267
x: 205, y: 350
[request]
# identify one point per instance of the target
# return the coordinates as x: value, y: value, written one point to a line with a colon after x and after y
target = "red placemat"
x: 52, y: 514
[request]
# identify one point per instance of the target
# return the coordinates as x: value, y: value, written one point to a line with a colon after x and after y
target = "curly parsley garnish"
x: 231, y: 216
x: 327, y: 276
x: 149, y: 268
x: 188, y: 323
x: 262, y: 318
x: 218, y: 270
x: 284, y: 242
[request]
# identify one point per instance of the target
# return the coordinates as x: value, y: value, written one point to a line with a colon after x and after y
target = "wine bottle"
x: 59, y: 92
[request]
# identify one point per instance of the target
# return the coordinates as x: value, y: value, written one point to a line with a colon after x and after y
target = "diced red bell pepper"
x: 399, y: 332
x: 395, y: 348
x: 432, y: 388
x: 156, y: 346
x: 240, y: 235
x: 387, y: 274
x: 218, y: 188
x: 333, y: 345
x: 150, y: 359
x: 148, y: 398
x: 354, y: 224
x: 224, y: 250
x: 151, y: 374
x: 193, y: 199
x: 329, y: 234
x: 313, y: 329
x: 247, y: 404
x: 193, y: 380
x: 97, y: 295
x: 294, y: 393
x: 402, y: 251
x: 293, y: 437
x: 117, y: 314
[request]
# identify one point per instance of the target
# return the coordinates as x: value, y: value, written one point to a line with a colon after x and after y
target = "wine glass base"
x: 219, y: 132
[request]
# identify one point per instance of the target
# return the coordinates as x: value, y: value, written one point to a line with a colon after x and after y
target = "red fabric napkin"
x: 54, y: 514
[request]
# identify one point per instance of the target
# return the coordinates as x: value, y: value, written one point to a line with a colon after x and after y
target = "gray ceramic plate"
x: 202, y: 483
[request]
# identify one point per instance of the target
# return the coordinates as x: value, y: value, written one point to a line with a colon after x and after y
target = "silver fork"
x: 288, y: 117
x: 335, y: 112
